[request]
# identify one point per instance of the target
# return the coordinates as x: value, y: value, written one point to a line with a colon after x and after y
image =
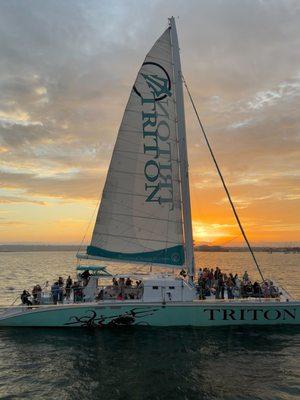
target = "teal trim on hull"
x: 172, y: 256
x: 116, y: 314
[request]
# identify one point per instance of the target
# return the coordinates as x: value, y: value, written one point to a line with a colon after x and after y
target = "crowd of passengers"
x: 121, y: 289
x: 61, y: 290
x: 211, y: 282
x: 215, y: 282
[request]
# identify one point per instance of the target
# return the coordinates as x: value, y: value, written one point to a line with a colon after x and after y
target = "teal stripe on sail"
x: 173, y: 255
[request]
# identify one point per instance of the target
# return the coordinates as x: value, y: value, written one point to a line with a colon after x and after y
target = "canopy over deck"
x: 97, y: 270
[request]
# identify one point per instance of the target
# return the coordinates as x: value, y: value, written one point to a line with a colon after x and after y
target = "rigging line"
x: 223, y: 181
x: 88, y: 226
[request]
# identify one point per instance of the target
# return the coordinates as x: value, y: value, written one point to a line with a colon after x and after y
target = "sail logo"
x: 158, y: 85
x: 159, y: 81
x: 155, y: 92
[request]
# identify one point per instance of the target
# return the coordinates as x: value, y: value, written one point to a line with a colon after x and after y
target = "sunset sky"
x: 66, y: 71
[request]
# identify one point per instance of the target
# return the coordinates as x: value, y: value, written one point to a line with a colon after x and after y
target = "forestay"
x: 140, y: 216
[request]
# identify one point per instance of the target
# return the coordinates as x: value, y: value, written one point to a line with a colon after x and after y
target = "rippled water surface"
x: 147, y: 363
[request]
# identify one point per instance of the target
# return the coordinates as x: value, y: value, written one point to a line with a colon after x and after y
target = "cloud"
x: 9, y: 119
x: 12, y: 224
x: 64, y: 186
x: 67, y: 69
x: 20, y: 199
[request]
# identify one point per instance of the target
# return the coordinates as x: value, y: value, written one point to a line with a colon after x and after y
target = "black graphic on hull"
x: 90, y: 320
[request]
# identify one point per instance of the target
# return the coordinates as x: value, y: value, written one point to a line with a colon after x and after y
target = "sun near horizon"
x: 66, y: 74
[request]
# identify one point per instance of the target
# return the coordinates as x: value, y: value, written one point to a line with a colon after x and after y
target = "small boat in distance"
x: 145, y: 219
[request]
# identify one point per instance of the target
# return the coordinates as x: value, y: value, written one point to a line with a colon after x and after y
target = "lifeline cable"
x: 88, y: 226
x: 222, y: 179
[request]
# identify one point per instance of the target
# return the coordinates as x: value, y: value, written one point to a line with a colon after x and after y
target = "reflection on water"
x: 147, y: 363
x: 150, y: 363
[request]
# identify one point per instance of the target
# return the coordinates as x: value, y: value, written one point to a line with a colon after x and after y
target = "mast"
x: 183, y: 165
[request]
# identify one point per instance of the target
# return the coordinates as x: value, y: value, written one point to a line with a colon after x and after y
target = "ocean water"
x: 148, y: 363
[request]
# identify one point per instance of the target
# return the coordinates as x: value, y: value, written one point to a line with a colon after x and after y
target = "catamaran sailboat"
x: 145, y: 218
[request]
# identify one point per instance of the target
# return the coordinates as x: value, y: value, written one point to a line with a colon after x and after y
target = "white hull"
x: 118, y: 313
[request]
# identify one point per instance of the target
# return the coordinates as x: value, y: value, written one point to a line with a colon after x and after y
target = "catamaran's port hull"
x: 153, y: 314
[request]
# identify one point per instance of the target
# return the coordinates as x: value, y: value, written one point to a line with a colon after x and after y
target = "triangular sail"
x: 140, y: 216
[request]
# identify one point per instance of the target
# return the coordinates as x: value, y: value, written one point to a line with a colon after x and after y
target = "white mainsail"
x: 140, y: 216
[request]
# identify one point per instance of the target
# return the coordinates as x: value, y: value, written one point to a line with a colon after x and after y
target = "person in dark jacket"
x: 55, y: 288
x: 25, y: 298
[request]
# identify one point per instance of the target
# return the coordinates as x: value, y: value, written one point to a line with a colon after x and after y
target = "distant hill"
x: 36, y: 247
x: 208, y: 248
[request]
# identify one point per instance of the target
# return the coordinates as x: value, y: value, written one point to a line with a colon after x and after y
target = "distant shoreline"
x: 12, y: 248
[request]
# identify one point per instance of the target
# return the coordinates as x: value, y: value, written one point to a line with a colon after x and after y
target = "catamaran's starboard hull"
x: 146, y: 314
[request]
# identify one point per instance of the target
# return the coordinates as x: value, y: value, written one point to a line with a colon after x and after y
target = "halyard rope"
x: 223, y: 181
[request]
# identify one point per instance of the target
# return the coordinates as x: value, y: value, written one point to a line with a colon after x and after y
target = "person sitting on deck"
x: 25, y: 299
x: 120, y: 297
x: 266, y: 289
x: 121, y: 282
x: 128, y: 282
x: 36, y: 294
x: 247, y: 289
x: 100, y: 295
x: 183, y: 273
x: 273, y: 290
x: 115, y: 282
x: 256, y: 289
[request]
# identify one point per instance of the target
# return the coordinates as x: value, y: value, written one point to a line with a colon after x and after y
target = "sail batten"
x: 140, y: 216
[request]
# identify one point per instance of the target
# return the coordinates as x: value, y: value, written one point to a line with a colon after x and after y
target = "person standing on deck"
x: 220, y: 287
x: 69, y: 283
x: 229, y: 285
x: 237, y: 287
x: 55, y: 292
x: 201, y: 289
x: 200, y: 273
x: 211, y: 277
x: 246, y: 276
